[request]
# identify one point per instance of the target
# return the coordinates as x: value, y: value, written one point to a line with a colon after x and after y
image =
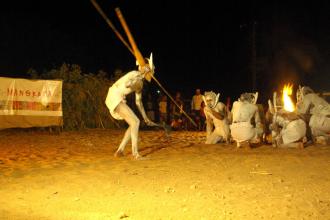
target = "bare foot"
x: 119, y: 154
x: 321, y: 140
x: 138, y: 157
x: 244, y: 144
x: 298, y: 144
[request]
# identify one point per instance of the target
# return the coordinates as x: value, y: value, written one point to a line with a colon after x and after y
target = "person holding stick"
x: 131, y: 82
x: 116, y: 103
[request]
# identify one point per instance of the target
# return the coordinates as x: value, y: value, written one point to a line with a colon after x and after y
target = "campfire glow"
x: 288, y: 104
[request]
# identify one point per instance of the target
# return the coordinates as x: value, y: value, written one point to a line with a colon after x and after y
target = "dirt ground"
x: 75, y: 176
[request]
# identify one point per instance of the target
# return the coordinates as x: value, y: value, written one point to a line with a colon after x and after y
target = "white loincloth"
x: 242, y: 131
x: 118, y: 91
x: 114, y: 97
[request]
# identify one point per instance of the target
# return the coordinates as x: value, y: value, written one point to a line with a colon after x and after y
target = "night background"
x: 220, y: 46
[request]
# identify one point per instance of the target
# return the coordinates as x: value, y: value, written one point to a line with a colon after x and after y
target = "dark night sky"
x: 195, y: 44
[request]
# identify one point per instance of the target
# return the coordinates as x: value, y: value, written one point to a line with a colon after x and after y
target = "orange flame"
x: 288, y: 104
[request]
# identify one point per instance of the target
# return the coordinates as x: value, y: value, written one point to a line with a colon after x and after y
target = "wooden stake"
x: 131, y: 40
x: 98, y: 8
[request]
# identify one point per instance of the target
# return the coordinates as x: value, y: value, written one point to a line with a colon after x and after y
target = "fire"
x: 287, y: 92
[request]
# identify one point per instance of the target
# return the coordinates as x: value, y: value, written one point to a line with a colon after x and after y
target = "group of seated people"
x: 310, y: 122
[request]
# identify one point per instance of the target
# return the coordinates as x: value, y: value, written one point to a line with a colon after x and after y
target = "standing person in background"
x: 163, y: 109
x: 196, y: 103
x: 150, y: 108
x: 176, y: 112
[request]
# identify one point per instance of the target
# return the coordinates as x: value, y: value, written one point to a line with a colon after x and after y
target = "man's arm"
x: 257, y: 118
x: 139, y: 104
x: 209, y: 122
x: 303, y: 107
x: 220, y: 114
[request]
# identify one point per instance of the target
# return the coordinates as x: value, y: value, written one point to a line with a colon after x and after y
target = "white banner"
x: 30, y: 97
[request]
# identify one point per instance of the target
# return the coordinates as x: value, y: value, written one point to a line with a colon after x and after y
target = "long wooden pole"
x: 131, y: 40
x: 141, y: 61
x: 98, y: 8
x: 135, y: 51
x: 190, y: 119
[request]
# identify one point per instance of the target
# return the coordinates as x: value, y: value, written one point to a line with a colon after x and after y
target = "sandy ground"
x: 75, y: 176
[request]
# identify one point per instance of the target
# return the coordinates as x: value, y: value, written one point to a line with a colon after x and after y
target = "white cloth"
x: 242, y: 131
x: 118, y: 91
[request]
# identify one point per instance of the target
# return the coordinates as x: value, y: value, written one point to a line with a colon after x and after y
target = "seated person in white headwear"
x: 316, y: 111
x: 217, y: 125
x: 246, y: 126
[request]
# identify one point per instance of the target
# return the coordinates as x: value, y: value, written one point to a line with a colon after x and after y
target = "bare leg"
x: 132, y: 132
x: 213, y: 138
x: 124, y: 142
x: 224, y: 132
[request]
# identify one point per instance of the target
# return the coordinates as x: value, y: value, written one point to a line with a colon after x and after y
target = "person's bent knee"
x: 135, y: 123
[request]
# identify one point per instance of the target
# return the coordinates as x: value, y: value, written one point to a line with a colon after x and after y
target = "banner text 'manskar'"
x: 15, y: 92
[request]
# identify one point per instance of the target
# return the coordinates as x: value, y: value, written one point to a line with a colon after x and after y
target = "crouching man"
x: 217, y: 125
x: 246, y: 127
x: 316, y: 111
x: 288, y: 130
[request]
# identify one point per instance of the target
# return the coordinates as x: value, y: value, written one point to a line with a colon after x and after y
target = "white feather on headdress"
x: 152, y: 68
